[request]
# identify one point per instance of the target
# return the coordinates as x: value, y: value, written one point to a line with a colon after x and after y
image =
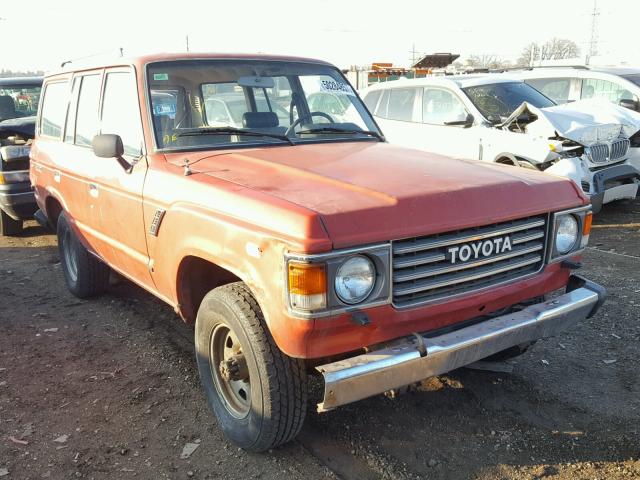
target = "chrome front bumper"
x: 410, y: 360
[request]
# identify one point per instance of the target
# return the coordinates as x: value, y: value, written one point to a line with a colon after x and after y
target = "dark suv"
x: 19, y: 99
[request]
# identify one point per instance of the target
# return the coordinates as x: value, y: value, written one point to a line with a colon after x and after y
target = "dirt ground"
x: 108, y: 388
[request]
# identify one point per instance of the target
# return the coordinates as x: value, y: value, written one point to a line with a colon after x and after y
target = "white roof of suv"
x: 460, y: 81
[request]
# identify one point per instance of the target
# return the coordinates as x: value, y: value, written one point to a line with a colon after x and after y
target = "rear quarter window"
x: 371, y: 99
x: 54, y: 108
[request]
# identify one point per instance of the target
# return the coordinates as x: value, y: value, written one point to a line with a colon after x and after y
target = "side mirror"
x: 108, y: 145
x: 466, y: 122
x: 628, y: 103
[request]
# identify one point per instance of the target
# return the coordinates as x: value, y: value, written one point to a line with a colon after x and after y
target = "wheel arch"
x: 196, y: 276
x: 54, y: 206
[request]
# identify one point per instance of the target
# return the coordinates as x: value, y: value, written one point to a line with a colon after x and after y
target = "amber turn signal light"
x: 307, y: 285
x: 586, y: 229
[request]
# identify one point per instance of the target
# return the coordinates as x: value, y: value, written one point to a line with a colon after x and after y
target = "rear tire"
x: 9, y: 227
x: 264, y: 404
x: 84, y: 274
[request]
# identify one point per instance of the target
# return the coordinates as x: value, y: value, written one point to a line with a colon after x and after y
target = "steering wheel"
x: 298, y: 121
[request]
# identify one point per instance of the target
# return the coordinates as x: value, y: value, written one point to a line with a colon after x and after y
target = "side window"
x: 383, y: 106
x: 87, y: 125
x: 557, y: 89
x: 371, y: 99
x: 593, y: 88
x: 69, y: 133
x: 54, y: 106
x: 441, y: 106
x: 401, y: 102
x: 121, y: 111
x: 216, y: 112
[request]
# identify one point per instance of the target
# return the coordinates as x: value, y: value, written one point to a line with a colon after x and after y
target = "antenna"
x: 187, y: 38
x: 593, y: 43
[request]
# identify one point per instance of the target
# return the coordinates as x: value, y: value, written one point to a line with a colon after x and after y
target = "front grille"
x: 605, y: 153
x: 442, y: 265
x: 619, y: 149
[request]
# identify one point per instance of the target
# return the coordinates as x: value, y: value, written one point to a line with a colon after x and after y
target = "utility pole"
x: 413, y: 54
x: 593, y: 43
x: 187, y: 43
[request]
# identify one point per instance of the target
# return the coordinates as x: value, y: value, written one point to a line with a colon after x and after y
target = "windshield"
x: 18, y: 101
x: 635, y: 78
x: 496, y: 101
x: 222, y: 103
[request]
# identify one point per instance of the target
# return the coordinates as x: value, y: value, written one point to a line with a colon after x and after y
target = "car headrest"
x: 260, y: 120
x: 7, y: 107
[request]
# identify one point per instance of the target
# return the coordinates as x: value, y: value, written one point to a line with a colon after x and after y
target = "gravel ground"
x: 108, y: 388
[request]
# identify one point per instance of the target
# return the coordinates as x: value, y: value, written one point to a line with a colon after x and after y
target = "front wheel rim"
x: 70, y: 258
x: 235, y: 394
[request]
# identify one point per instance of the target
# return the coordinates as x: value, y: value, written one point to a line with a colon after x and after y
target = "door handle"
x: 93, y: 190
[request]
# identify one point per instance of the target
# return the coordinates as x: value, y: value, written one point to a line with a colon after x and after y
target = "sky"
x: 342, y: 32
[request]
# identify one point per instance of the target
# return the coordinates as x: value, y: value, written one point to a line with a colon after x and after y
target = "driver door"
x: 117, y: 193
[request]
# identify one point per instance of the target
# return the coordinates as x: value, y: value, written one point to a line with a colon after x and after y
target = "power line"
x: 593, y: 43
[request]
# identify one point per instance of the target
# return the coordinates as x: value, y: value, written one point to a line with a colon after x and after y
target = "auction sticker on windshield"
x: 338, y: 88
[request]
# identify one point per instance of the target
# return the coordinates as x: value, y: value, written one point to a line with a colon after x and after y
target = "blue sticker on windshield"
x: 164, y: 109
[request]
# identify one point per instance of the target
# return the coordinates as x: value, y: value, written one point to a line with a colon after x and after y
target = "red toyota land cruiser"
x: 256, y: 195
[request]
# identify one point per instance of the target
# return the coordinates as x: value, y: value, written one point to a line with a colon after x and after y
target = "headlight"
x: 566, y: 234
x: 355, y: 279
x: 339, y: 281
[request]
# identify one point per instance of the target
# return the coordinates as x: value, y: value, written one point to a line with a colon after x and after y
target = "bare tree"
x: 554, y: 49
x: 486, y: 61
x: 559, y: 48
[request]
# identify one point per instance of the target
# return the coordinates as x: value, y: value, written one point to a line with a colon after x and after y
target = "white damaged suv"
x: 504, y: 120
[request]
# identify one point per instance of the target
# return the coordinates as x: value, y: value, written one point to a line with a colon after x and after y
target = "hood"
x: 586, y: 122
x: 367, y: 192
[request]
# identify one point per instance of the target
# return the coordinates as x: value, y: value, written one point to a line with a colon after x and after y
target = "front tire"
x: 258, y: 394
x: 84, y: 274
x: 9, y: 227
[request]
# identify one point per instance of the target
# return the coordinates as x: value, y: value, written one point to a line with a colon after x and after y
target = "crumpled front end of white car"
x: 588, y: 143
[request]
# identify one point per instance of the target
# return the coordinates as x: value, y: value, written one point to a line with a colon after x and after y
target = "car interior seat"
x: 7, y: 107
x: 266, y: 121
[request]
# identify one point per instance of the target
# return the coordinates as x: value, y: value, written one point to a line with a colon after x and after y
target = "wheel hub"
x: 230, y: 371
x: 234, y: 368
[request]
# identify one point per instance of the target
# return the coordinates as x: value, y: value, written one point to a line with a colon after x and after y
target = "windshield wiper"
x: 232, y: 131
x: 341, y: 130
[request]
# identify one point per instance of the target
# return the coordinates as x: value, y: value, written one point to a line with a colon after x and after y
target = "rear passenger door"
x: 398, y: 115
x: 118, y: 193
x: 77, y: 161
